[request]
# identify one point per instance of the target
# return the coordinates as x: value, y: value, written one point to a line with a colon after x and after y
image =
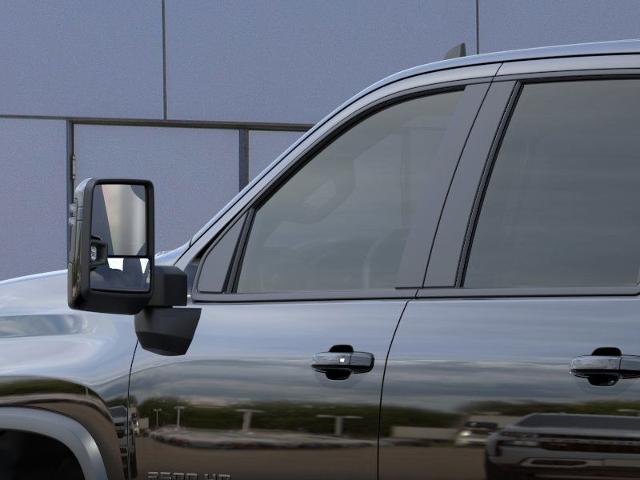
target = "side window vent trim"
x: 196, y: 292
x: 233, y: 276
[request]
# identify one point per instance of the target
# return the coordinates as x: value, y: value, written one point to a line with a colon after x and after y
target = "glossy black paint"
x: 250, y: 403
x: 468, y: 374
x: 487, y: 371
x: 497, y: 361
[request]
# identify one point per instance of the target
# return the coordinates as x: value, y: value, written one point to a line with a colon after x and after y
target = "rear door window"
x: 562, y: 206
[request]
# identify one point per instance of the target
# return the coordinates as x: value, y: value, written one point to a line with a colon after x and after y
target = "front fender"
x: 34, y: 405
x: 61, y: 428
x: 67, y: 362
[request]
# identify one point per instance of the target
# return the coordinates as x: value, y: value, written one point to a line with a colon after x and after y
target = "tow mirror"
x: 111, y: 267
x: 111, y: 249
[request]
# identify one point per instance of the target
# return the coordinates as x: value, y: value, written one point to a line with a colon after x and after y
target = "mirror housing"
x: 161, y: 328
x: 111, y: 264
x: 111, y: 255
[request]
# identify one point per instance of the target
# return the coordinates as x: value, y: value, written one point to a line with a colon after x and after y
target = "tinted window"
x: 562, y: 206
x: 342, y: 221
x: 218, y: 260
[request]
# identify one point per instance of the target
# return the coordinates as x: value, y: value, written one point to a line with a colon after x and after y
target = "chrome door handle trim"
x: 593, y: 364
x: 620, y: 366
x: 355, y: 362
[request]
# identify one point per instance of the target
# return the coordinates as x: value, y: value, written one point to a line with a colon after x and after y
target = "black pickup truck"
x: 456, y: 246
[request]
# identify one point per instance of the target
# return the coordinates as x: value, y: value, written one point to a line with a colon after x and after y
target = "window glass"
x: 342, y: 221
x: 218, y: 260
x: 562, y: 206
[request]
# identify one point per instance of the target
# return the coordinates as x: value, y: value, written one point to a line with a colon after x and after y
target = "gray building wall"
x: 200, y: 95
x: 194, y: 170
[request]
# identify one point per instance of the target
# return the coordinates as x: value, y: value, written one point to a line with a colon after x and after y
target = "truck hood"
x: 43, y: 292
x: 40, y: 336
x: 28, y: 300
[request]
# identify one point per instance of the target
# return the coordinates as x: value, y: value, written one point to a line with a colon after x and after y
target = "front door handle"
x: 341, y: 361
x: 605, y: 366
x: 354, y: 362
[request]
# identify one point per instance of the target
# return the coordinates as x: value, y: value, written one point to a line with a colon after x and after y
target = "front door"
x: 300, y: 299
x: 522, y: 366
x: 245, y: 401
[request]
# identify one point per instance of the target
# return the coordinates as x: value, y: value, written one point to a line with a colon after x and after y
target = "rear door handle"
x: 606, y: 366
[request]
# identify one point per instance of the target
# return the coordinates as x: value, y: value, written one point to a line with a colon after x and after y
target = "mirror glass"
x: 119, y: 254
x: 119, y: 219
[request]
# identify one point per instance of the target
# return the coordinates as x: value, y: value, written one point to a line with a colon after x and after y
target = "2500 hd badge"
x: 187, y: 476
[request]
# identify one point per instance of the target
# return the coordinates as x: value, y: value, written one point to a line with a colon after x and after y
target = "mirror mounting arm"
x: 165, y: 330
x: 160, y: 328
x: 170, y: 288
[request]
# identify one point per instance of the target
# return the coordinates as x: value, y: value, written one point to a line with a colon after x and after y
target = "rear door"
x: 322, y: 262
x: 535, y: 264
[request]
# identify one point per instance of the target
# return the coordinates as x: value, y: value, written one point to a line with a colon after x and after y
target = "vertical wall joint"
x: 71, y: 177
x: 164, y: 60
x: 478, y: 26
x: 243, y: 158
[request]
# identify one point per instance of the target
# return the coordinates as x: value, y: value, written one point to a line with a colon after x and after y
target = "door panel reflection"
x: 245, y: 401
x: 492, y: 397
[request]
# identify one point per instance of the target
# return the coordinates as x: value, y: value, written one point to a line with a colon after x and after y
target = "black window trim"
x: 454, y: 222
x: 527, y: 292
x: 403, y: 290
x: 483, y: 184
x: 246, y: 218
x: 517, y: 82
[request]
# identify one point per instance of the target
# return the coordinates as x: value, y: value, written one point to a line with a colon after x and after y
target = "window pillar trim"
x: 449, y: 244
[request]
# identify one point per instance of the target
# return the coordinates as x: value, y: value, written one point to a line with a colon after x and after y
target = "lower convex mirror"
x: 111, y: 254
